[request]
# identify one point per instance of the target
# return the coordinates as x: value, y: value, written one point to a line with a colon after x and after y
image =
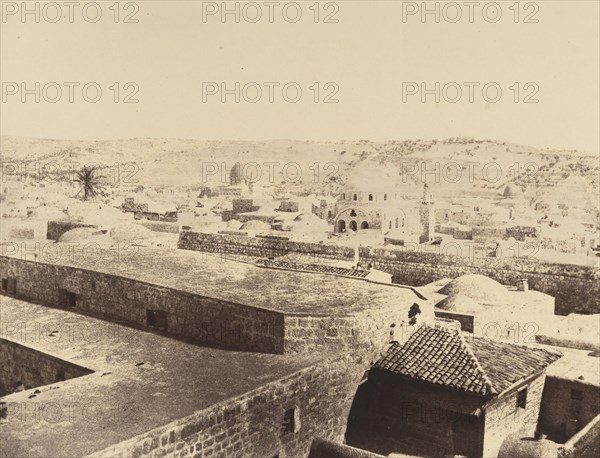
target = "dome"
x: 127, y: 232
x: 78, y: 234
x: 479, y: 288
x: 369, y: 180
x: 515, y: 445
x: 511, y: 190
x: 458, y: 303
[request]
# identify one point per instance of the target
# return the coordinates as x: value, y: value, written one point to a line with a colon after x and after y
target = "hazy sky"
x: 370, y: 55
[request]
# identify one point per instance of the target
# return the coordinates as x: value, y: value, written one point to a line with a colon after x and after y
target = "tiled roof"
x: 479, y: 366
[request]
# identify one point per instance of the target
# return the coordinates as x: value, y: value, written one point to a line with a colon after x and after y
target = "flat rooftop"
x: 244, y: 283
x: 122, y: 398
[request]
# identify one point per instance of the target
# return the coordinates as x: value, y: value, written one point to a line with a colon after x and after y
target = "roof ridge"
x: 486, y: 380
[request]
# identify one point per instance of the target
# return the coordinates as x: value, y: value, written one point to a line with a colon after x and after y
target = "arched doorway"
x: 341, y: 226
x: 364, y: 225
x: 353, y: 226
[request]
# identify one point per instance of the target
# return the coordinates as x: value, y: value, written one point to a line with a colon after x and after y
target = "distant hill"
x: 465, y: 166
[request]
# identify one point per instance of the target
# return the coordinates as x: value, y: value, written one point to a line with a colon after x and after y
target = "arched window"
x: 402, y: 222
x: 355, y: 197
x: 396, y: 223
x: 385, y: 197
x: 329, y: 214
x: 364, y: 225
x: 343, y: 196
x: 390, y: 224
x: 370, y: 197
x: 352, y: 213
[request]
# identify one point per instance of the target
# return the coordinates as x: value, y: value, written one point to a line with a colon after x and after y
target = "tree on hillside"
x: 89, y: 181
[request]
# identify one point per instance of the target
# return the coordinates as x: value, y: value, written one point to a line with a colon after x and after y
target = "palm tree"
x: 89, y: 181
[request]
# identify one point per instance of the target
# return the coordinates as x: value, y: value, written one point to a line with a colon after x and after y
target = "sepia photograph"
x: 300, y: 229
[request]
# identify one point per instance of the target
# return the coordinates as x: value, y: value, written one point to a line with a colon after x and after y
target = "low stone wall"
x: 576, y: 288
x: 585, y: 444
x: 32, y: 368
x: 58, y: 228
x: 201, y: 319
x: 279, y: 419
x: 159, y: 226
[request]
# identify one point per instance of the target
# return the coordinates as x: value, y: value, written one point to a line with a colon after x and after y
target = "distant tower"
x: 235, y: 176
x: 427, y: 215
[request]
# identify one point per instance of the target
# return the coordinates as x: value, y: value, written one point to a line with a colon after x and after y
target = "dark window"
x: 522, y: 398
x: 291, y: 422
x: 385, y: 197
x: 11, y: 285
x: 156, y: 319
x: 352, y: 213
x: 355, y: 197
x: 370, y: 197
x: 577, y: 395
x: 71, y: 299
x: 151, y: 318
x: 4, y: 284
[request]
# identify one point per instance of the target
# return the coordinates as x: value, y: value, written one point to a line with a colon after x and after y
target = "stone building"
x: 370, y: 200
x: 440, y: 394
x: 487, y: 308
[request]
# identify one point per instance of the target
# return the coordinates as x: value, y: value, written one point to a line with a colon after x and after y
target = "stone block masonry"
x: 114, y: 298
x: 207, y: 320
x: 30, y: 368
x: 278, y: 419
x: 576, y: 288
x: 58, y: 228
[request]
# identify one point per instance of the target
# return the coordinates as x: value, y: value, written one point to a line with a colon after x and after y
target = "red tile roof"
x: 479, y: 366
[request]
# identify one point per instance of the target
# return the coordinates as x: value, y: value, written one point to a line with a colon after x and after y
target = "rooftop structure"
x: 480, y: 366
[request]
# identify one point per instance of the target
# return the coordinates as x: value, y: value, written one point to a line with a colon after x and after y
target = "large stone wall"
x: 576, y: 288
x: 352, y: 333
x: 252, y: 425
x: 201, y: 319
x: 32, y: 368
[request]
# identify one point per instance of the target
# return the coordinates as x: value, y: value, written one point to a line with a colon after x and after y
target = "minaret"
x: 427, y: 216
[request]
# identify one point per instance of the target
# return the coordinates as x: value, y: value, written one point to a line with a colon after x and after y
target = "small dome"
x: 458, y: 303
x: 78, y: 234
x: 479, y: 288
x: 128, y: 232
x: 369, y: 180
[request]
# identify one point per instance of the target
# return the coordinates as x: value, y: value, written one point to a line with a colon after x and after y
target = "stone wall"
x: 58, y: 228
x: 560, y: 411
x: 312, y: 403
x: 32, y: 368
x: 585, y: 444
x: 351, y: 333
x: 503, y: 416
x: 110, y: 297
x: 576, y: 288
